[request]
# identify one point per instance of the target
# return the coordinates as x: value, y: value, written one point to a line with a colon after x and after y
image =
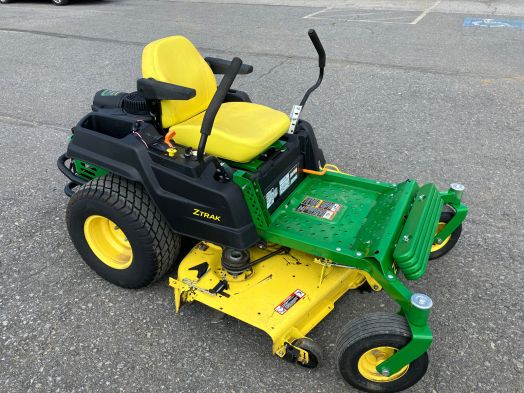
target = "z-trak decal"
x: 203, y: 214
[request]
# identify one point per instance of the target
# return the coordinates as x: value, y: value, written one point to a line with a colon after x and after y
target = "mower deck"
x: 286, y: 295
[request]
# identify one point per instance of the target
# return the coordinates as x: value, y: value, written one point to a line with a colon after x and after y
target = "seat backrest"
x: 176, y: 60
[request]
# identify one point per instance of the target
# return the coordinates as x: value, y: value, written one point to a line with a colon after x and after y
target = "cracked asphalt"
x: 433, y: 101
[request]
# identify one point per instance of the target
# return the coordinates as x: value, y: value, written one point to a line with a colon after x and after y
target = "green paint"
x: 366, y: 233
x: 416, y: 238
x: 419, y: 344
x: 110, y: 93
x: 87, y: 171
x: 255, y: 201
x: 452, y: 198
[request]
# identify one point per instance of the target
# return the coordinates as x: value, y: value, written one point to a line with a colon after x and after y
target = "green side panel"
x: 88, y: 171
x: 256, y: 202
x: 412, y: 251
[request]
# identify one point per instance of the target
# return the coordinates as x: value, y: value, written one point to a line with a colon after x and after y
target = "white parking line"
x: 316, y: 13
x: 425, y: 12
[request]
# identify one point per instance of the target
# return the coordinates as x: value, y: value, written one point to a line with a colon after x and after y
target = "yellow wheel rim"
x: 368, y: 362
x: 436, y: 246
x: 108, y: 242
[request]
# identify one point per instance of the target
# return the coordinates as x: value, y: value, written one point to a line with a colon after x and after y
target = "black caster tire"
x: 120, y: 233
x: 60, y: 2
x: 366, y: 342
x: 314, y: 352
x: 438, y: 250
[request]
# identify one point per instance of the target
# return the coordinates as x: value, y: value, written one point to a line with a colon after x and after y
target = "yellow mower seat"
x: 241, y: 130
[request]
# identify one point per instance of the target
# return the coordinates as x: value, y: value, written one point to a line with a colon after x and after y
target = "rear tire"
x: 366, y: 342
x: 144, y: 247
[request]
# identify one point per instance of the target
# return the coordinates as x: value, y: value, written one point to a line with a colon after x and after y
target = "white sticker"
x: 284, y: 183
x: 271, y: 195
x: 293, y: 175
x: 328, y: 215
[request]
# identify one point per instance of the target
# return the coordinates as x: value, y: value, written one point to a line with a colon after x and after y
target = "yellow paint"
x: 436, y: 246
x: 108, y: 242
x: 368, y: 362
x: 241, y: 131
x: 253, y: 300
x: 176, y: 60
x: 203, y: 214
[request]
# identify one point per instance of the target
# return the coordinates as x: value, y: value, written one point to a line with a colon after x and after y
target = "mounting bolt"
x: 406, y: 238
x: 458, y: 189
x: 439, y: 240
x: 385, y: 372
x: 359, y: 254
x: 375, y: 287
x: 421, y: 301
x: 338, y: 249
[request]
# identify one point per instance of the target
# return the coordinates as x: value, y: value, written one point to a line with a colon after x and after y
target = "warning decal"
x: 319, y: 208
x: 290, y: 301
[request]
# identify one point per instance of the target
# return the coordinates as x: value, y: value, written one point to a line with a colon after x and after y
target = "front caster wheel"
x: 313, y: 350
x: 438, y: 250
x: 313, y: 353
x: 369, y: 340
x: 120, y: 233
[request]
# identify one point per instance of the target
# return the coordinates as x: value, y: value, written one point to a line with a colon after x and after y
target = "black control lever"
x: 318, y: 46
x: 216, y: 102
x: 295, y: 112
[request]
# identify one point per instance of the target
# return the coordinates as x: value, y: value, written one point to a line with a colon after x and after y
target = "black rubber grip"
x: 220, y: 94
x: 216, y: 102
x: 220, y: 66
x: 318, y: 46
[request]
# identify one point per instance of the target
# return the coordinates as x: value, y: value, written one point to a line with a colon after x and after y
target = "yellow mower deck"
x: 286, y: 295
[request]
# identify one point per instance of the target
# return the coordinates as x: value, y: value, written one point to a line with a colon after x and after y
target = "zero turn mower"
x: 282, y: 235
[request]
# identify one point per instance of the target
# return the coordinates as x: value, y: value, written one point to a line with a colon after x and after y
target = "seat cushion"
x: 176, y: 60
x: 241, y: 131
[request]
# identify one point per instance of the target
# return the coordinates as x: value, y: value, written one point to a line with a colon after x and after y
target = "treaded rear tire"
x: 370, y: 331
x: 154, y: 245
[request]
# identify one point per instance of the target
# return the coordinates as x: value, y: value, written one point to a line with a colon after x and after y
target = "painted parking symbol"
x: 493, y: 23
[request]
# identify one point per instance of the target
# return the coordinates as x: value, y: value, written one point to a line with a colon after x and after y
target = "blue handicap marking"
x: 488, y: 22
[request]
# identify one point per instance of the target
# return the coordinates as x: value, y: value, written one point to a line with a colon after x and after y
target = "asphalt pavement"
x: 409, y: 92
